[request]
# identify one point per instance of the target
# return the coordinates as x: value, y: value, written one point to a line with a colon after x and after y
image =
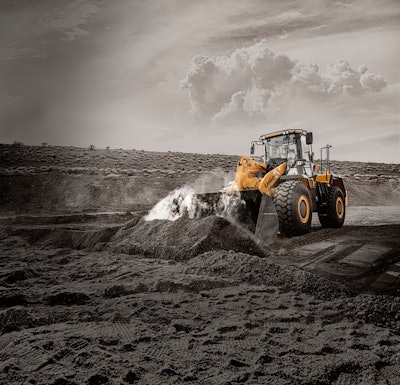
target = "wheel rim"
x: 340, y: 207
x: 303, y: 209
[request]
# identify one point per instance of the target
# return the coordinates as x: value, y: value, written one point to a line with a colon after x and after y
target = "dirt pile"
x: 373, y: 191
x: 178, y: 240
x: 258, y: 271
x: 67, y: 316
x: 66, y: 237
x: 72, y: 324
x: 184, y: 238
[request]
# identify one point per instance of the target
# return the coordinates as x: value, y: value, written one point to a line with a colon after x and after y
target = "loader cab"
x: 293, y: 147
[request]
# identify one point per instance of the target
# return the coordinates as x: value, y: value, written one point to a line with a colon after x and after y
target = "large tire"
x: 335, y: 209
x: 293, y: 206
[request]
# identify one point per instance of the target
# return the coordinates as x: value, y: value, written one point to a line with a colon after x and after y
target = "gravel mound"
x: 383, y: 310
x: 184, y: 238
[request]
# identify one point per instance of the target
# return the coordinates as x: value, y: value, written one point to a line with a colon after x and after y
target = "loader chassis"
x: 290, y: 185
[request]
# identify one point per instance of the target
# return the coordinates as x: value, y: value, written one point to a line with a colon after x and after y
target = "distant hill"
x: 70, y: 179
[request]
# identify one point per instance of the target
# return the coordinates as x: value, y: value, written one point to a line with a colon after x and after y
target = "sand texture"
x: 92, y: 293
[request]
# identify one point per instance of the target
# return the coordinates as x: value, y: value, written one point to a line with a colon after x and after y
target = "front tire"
x: 293, y: 206
x: 335, y: 209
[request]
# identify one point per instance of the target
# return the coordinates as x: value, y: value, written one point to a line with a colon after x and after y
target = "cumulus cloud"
x: 255, y: 82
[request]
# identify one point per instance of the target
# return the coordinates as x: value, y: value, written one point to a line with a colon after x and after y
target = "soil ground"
x: 91, y: 294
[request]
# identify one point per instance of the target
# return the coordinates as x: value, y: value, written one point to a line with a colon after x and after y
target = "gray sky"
x: 201, y: 76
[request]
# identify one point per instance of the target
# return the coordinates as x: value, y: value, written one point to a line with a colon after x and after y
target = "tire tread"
x: 283, y: 201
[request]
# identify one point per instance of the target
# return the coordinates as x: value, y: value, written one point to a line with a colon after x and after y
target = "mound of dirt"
x: 67, y: 298
x: 66, y: 237
x: 15, y: 318
x: 19, y: 275
x: 184, y: 238
x: 259, y: 271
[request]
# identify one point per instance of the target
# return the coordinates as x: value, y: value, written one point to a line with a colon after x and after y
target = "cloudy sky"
x: 201, y: 76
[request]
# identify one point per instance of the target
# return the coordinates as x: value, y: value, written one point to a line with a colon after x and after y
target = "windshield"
x: 281, y: 147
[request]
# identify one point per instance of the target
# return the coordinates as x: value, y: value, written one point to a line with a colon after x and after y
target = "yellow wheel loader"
x: 281, y: 188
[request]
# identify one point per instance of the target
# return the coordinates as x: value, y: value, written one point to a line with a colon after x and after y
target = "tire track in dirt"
x: 272, y: 323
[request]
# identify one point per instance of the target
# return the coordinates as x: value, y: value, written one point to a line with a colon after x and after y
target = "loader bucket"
x: 249, y: 209
x: 267, y: 221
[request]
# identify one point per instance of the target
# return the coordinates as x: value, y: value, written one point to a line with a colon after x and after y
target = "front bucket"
x: 250, y: 209
x: 240, y: 207
x: 267, y: 223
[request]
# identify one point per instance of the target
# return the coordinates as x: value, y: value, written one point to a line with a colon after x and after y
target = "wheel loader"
x: 278, y: 190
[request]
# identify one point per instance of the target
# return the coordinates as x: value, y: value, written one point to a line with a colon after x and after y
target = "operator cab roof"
x: 280, y: 133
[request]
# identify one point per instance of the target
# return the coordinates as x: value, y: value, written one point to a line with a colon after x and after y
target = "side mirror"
x: 309, y: 138
x: 252, y: 149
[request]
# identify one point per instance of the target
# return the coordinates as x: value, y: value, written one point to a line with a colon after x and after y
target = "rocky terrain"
x: 92, y: 293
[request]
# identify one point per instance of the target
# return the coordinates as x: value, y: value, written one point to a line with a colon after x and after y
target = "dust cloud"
x: 193, y: 201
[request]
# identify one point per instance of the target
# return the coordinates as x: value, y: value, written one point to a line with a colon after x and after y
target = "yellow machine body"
x: 280, y: 189
x: 251, y: 175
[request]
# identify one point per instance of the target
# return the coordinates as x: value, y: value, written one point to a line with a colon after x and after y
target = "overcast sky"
x: 201, y: 76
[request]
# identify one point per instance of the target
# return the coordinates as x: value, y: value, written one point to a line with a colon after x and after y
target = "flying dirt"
x: 185, y: 202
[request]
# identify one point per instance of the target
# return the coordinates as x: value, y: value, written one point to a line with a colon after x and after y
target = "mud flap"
x: 267, y: 223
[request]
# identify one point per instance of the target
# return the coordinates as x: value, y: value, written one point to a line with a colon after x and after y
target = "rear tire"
x: 335, y: 209
x: 293, y: 206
